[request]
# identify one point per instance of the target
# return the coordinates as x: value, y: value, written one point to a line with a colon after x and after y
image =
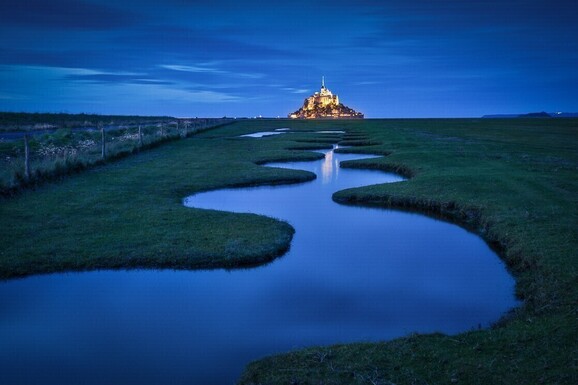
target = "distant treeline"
x: 535, y: 115
x: 31, y: 121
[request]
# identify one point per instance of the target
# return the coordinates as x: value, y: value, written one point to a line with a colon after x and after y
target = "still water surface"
x: 352, y: 274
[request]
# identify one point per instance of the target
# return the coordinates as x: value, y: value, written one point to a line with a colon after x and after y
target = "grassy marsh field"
x: 513, y: 181
x: 129, y: 213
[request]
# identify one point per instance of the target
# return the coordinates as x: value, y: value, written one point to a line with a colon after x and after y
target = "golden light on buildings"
x: 324, y: 105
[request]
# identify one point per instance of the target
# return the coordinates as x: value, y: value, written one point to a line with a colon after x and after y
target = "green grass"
x: 514, y: 182
x: 129, y: 213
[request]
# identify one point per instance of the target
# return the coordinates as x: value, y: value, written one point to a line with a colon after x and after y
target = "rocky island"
x: 324, y: 105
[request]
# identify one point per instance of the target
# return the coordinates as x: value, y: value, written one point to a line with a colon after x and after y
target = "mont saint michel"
x: 324, y: 105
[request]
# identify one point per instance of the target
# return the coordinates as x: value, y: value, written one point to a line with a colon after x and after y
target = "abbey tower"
x: 324, y: 105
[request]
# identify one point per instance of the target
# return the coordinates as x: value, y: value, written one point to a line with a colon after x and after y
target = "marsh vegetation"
x: 514, y: 182
x: 33, y: 153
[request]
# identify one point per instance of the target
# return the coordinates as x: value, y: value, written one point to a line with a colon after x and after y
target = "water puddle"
x: 330, y: 132
x: 262, y: 134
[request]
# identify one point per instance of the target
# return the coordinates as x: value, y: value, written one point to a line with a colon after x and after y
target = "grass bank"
x: 129, y: 213
x: 514, y: 182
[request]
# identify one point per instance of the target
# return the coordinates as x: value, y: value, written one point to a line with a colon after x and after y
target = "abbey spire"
x: 324, y: 105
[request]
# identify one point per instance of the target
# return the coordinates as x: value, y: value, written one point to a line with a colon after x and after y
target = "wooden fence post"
x: 139, y: 136
x: 26, y: 158
x: 103, y: 139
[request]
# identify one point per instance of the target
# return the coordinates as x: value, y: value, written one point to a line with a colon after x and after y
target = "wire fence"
x: 37, y: 156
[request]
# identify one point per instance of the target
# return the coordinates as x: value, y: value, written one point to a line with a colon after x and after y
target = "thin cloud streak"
x: 386, y: 59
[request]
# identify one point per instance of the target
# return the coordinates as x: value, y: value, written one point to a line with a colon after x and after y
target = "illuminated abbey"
x: 324, y: 105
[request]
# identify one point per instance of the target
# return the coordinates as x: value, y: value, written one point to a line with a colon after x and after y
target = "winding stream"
x: 352, y: 274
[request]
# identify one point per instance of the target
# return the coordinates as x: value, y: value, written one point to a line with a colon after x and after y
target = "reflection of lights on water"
x: 329, y: 167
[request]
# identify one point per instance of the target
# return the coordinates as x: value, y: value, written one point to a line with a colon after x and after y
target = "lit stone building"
x: 324, y: 105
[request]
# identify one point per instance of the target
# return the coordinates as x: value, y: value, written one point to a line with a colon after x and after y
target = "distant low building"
x: 324, y: 105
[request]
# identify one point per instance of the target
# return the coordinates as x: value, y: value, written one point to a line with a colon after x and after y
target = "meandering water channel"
x: 352, y: 274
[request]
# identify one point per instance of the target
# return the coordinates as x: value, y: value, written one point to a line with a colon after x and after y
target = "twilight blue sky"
x: 386, y: 58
